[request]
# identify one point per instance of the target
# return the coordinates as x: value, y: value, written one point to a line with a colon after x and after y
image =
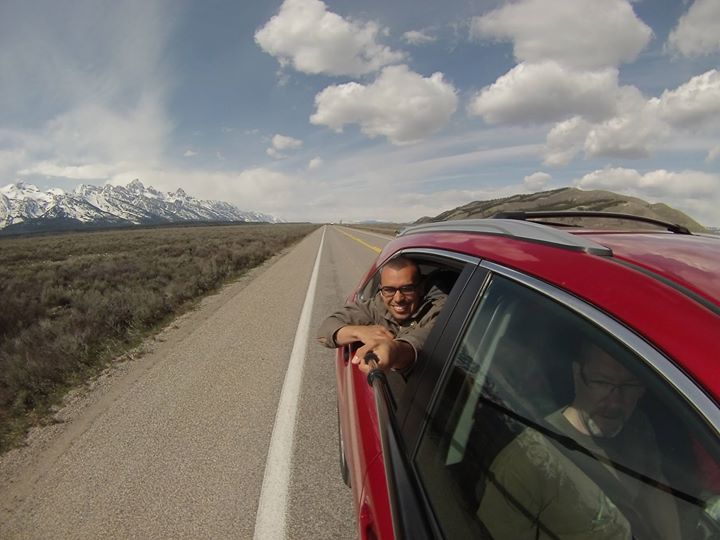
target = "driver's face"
x: 606, y: 393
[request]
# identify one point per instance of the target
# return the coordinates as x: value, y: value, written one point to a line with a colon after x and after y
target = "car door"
x: 494, y: 424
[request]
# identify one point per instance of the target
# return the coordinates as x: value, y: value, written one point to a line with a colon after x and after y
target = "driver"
x: 542, y: 488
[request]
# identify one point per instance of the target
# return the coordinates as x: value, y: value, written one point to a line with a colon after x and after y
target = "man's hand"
x: 368, y: 335
x: 391, y: 354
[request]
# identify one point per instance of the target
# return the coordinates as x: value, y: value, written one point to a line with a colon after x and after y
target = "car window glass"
x: 547, y: 427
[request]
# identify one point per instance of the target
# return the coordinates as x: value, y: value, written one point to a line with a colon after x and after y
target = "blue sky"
x: 341, y: 110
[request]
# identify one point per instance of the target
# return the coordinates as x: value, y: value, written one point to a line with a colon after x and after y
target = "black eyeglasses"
x: 605, y: 388
x: 405, y: 290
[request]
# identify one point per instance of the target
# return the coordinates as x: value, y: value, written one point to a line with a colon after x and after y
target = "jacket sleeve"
x: 355, y: 313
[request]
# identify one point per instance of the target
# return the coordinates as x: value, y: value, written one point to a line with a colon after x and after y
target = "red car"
x: 569, y: 388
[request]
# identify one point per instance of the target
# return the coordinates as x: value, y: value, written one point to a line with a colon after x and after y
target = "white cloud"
x: 713, y: 154
x: 283, y: 142
x: 536, y: 181
x: 641, y: 125
x: 91, y: 78
x: 633, y: 133
x: 315, y: 163
x: 698, y: 31
x: 418, y: 37
x: 401, y: 105
x: 694, y: 104
x: 694, y: 192
x: 97, y: 171
x: 565, y: 140
x: 189, y: 153
x: 312, y: 39
x: 546, y: 92
x: 692, y: 184
x: 582, y: 34
x: 10, y: 161
x: 280, y: 143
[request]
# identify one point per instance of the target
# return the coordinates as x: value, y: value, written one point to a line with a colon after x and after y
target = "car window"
x: 545, y: 426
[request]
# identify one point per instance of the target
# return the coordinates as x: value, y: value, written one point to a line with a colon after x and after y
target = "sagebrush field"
x: 70, y: 303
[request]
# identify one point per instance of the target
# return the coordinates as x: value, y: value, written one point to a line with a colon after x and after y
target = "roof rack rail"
x: 525, y: 230
x: 524, y: 216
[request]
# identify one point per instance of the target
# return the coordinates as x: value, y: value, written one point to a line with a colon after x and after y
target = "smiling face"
x: 606, y: 393
x: 401, y: 305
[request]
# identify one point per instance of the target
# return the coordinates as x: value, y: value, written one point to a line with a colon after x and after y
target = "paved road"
x: 174, y: 444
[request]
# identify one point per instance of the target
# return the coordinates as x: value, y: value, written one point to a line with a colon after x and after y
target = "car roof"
x: 662, y: 285
x: 690, y: 261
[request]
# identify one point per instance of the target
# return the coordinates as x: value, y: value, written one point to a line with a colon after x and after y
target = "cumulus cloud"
x: 311, y: 39
x: 536, y: 181
x: 400, y: 104
x: 546, y: 92
x: 189, y: 153
x: 640, y: 124
x: 694, y: 192
x: 568, y: 70
x: 315, y: 163
x: 418, y: 37
x: 693, y: 104
x: 565, y: 140
x: 582, y: 34
x: 632, y: 133
x: 691, y: 184
x: 697, y: 31
x: 281, y: 143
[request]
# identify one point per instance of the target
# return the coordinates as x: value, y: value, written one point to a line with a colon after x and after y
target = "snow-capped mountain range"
x: 22, y: 203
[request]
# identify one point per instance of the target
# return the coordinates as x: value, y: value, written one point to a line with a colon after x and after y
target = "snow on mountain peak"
x: 110, y: 204
x: 20, y: 190
x: 136, y: 186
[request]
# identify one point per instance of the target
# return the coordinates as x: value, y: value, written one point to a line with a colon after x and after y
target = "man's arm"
x: 366, y: 334
x: 353, y: 315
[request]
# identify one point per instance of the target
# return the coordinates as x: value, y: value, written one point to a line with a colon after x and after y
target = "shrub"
x: 72, y: 302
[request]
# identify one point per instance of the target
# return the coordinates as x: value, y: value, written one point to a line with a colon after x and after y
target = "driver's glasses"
x: 604, y: 387
x: 405, y: 290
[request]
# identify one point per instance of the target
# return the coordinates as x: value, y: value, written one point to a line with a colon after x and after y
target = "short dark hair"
x: 399, y: 262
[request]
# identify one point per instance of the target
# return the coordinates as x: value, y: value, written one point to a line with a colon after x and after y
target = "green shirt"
x: 413, y: 330
x: 535, y: 491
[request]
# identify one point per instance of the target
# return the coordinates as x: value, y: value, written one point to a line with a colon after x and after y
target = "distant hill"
x: 570, y: 199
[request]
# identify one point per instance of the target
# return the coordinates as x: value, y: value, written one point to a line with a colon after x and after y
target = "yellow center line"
x: 374, y: 248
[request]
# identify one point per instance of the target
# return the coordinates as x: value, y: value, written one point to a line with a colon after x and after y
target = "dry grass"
x: 390, y: 229
x: 73, y: 302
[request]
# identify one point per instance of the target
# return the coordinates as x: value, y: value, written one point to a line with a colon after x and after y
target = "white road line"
x: 270, y: 519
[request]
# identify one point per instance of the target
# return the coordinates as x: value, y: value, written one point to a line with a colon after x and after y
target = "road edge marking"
x: 272, y: 506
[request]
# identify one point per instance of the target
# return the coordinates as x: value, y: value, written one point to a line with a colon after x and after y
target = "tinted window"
x: 547, y: 427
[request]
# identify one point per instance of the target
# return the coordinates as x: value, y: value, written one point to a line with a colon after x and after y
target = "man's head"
x: 400, y: 287
x: 606, y: 393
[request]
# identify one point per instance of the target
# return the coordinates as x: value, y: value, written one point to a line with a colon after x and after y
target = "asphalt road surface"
x: 175, y: 443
